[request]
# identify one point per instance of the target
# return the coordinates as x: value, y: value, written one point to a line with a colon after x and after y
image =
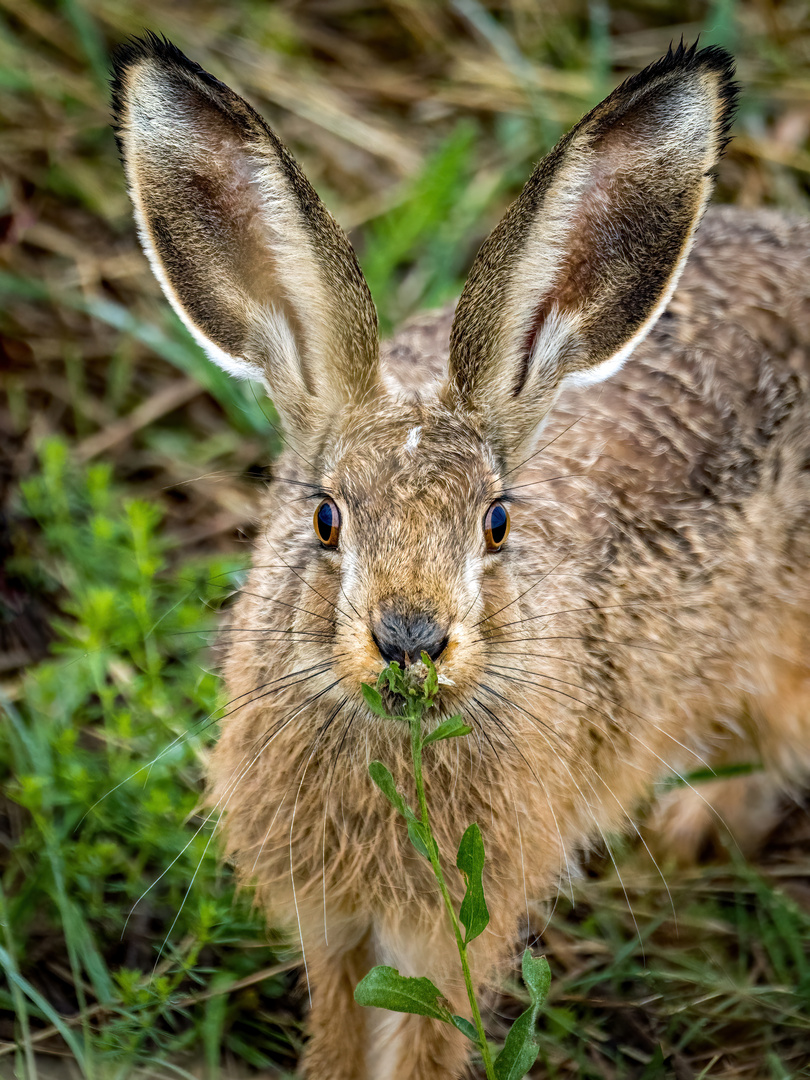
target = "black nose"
x: 405, y: 636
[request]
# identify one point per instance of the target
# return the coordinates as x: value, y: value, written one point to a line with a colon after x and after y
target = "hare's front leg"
x: 416, y: 1048
x: 407, y: 1047
x: 338, y: 1029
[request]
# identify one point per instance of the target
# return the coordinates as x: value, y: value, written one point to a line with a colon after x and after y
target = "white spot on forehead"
x: 411, y: 443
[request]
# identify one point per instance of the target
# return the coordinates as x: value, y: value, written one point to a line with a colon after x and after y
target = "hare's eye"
x: 496, y: 526
x: 327, y: 523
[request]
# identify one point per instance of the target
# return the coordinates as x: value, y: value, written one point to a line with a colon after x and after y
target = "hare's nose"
x: 404, y: 636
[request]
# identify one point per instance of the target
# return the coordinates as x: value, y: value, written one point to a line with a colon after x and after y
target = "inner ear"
x: 626, y: 238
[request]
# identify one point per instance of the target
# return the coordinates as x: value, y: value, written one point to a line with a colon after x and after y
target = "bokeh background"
x: 128, y: 470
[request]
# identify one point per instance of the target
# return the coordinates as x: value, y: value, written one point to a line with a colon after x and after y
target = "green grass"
x: 723, y: 987
x: 115, y: 901
x: 120, y: 932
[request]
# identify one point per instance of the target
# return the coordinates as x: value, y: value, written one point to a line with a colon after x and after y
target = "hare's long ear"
x: 243, y: 247
x: 588, y: 256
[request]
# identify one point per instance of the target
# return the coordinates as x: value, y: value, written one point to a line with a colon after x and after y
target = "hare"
x: 584, y: 494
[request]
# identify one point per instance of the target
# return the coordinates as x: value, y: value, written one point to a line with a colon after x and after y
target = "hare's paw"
x: 740, y: 812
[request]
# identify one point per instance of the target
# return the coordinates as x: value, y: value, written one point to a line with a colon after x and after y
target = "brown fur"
x: 647, y: 614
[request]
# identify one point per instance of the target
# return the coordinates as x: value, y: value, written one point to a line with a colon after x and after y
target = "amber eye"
x: 496, y: 526
x: 327, y: 523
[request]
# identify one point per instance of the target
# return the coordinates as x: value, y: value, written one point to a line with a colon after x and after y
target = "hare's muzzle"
x: 404, y: 635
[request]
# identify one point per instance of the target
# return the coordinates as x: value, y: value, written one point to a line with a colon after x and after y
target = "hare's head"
x: 394, y: 511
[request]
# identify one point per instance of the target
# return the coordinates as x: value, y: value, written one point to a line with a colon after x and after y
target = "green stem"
x: 416, y: 751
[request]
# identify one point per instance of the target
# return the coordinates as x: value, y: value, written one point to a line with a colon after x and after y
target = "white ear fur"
x: 239, y: 366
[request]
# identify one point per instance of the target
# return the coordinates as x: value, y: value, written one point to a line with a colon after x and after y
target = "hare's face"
x: 413, y: 563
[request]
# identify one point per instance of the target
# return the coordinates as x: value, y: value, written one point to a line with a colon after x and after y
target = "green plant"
x: 384, y: 987
x: 117, y: 920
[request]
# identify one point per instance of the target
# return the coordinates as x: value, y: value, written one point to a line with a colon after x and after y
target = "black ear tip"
x: 684, y: 60
x: 162, y: 53
x: 150, y: 46
x: 158, y: 49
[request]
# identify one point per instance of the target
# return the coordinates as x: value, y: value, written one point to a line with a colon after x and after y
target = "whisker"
x: 505, y: 731
x: 585, y: 803
x: 293, y: 607
x: 319, y: 735
x: 531, y: 457
x: 299, y: 483
x: 607, y: 787
x: 576, y: 637
x: 299, y: 635
x: 574, y: 610
x: 534, y: 585
x: 645, y: 604
x: 312, y: 587
x: 548, y: 480
x: 474, y: 602
x: 476, y: 727
x: 229, y: 791
x: 325, y: 810
x: 280, y: 433
x: 198, y: 729
x: 283, y: 603
x: 324, y: 728
x: 509, y: 702
x: 597, y: 693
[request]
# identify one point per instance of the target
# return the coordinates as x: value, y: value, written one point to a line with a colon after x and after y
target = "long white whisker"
x: 549, y: 802
x: 325, y: 810
x: 591, y: 812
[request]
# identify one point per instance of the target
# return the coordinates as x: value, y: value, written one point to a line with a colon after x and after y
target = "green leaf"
x: 519, y: 1051
x: 419, y: 837
x: 521, y: 1048
x: 394, y: 677
x: 656, y: 1067
x: 474, y: 913
x: 12, y: 974
x: 430, y: 687
x: 385, y: 782
x: 465, y: 1027
x: 385, y: 988
x: 537, y: 976
x: 374, y: 700
x: 449, y: 729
